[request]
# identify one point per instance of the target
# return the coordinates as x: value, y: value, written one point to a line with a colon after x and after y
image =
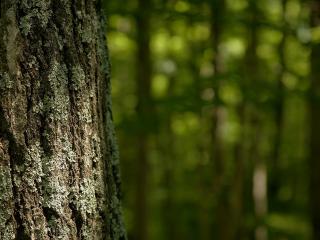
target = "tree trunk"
x: 314, y: 125
x: 238, y: 179
x: 143, y: 92
x: 59, y: 174
x: 217, y: 157
x: 253, y: 77
x: 274, y: 168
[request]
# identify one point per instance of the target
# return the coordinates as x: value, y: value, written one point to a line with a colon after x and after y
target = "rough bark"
x: 59, y: 174
x: 314, y: 125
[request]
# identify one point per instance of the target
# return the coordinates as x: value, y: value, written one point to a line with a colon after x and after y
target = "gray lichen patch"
x: 60, y: 229
x: 96, y: 155
x: 87, y: 200
x: 56, y: 105
x: 58, y: 74
x: 55, y: 185
x: 38, y: 10
x: 5, y: 81
x: 78, y: 78
x: 6, y: 195
x: 98, y: 172
x: 86, y: 33
x: 55, y: 168
x: 38, y: 107
x: 9, y: 232
x: 78, y: 83
x: 67, y: 150
x: 87, y: 29
x: 55, y: 194
x: 85, y: 112
x: 25, y: 24
x: 33, y: 171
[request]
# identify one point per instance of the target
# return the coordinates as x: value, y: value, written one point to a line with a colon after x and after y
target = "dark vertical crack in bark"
x: 16, y: 152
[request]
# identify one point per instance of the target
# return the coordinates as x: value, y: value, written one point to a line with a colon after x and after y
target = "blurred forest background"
x: 216, y: 105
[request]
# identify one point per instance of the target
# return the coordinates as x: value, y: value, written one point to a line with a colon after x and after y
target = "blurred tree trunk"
x: 216, y: 152
x: 217, y: 156
x: 204, y: 181
x: 315, y: 125
x: 237, y: 193
x: 170, y: 222
x: 252, y: 75
x: 144, y: 106
x: 169, y: 214
x: 59, y: 174
x: 274, y: 174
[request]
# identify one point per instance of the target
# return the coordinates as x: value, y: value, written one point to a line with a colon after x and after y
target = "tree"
x: 314, y: 125
x: 59, y: 175
x: 217, y: 9
x: 143, y: 109
x: 253, y: 78
x: 279, y: 109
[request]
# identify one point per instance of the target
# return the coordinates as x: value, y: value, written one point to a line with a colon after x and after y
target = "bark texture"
x: 59, y: 174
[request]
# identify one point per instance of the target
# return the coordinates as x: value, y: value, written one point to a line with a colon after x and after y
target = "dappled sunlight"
x: 216, y: 95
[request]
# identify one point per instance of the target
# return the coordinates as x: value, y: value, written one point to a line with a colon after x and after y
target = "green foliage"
x: 263, y: 52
